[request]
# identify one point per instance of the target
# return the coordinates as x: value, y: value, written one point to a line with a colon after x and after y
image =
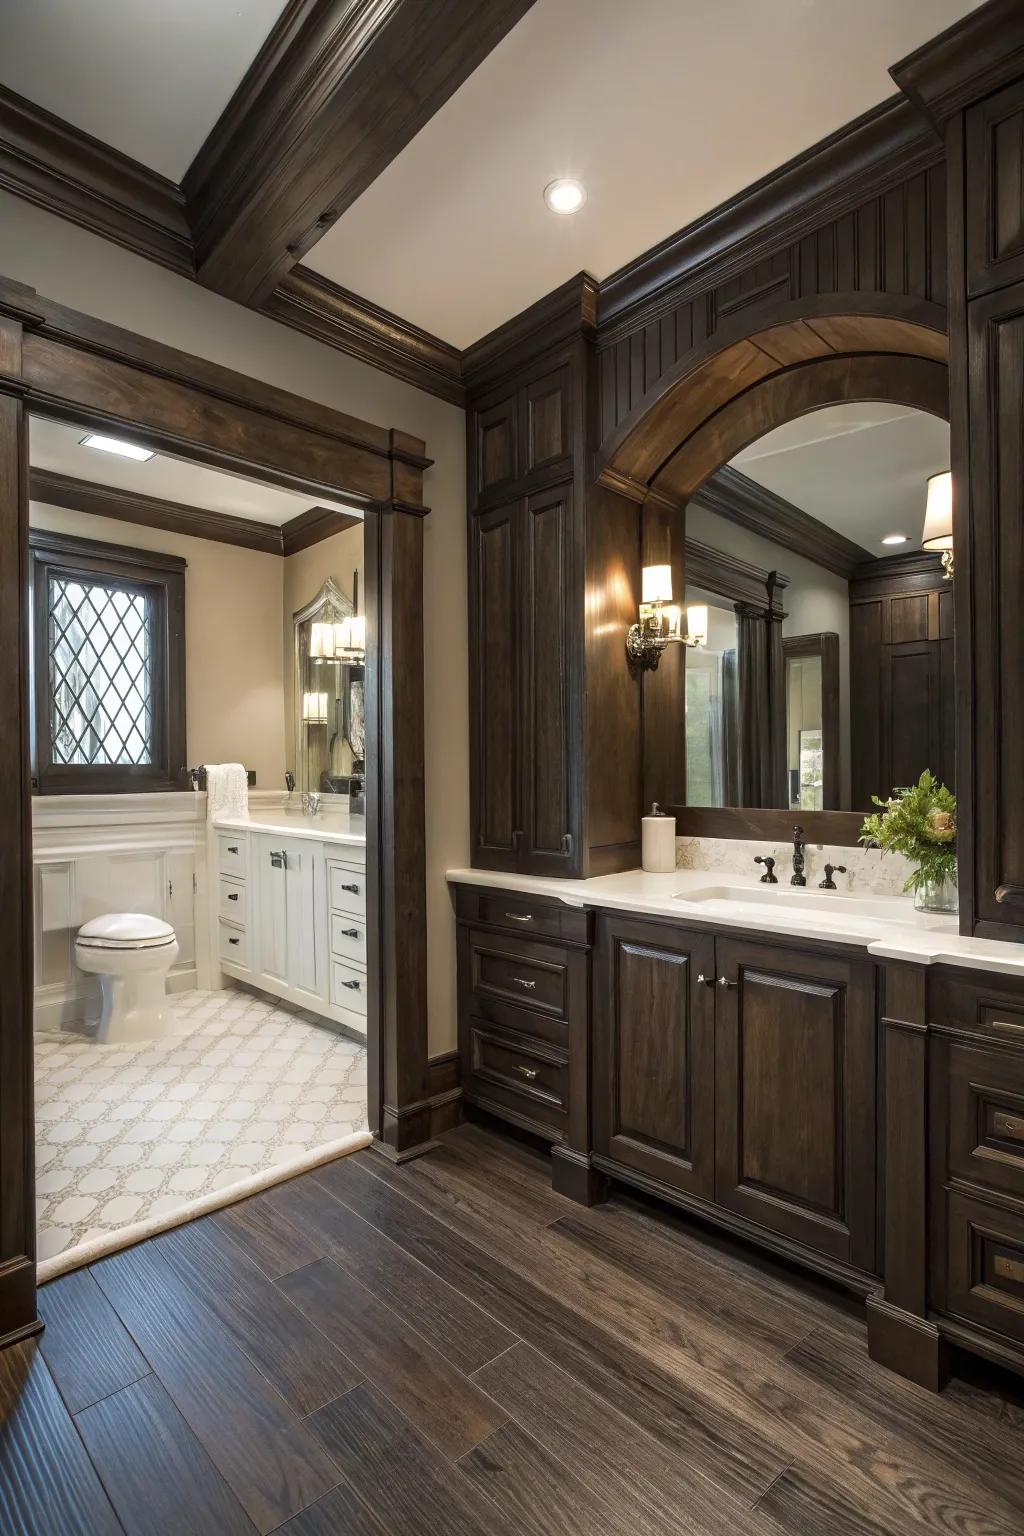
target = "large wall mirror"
x: 826, y: 672
x: 329, y: 705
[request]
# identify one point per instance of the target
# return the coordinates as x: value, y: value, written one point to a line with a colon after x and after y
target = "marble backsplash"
x: 869, y: 871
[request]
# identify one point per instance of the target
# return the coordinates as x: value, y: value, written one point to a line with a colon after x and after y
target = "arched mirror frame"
x: 804, y: 356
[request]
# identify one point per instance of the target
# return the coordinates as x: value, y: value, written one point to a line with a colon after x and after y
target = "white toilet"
x: 131, y: 954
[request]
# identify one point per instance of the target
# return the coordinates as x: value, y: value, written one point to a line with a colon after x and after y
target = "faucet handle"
x: 769, y: 877
x: 828, y: 884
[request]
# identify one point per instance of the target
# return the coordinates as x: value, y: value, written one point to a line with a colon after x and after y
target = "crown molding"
x: 338, y: 90
x: 727, y: 576
x: 560, y: 316
x: 58, y: 167
x: 899, y: 568
x: 311, y: 303
x: 862, y: 159
x: 971, y: 59
x: 58, y: 490
x: 732, y: 495
x: 313, y: 526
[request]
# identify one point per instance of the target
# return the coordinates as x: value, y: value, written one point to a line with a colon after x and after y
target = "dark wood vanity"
x: 861, y: 1118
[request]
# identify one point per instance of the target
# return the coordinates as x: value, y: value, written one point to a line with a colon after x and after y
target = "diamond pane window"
x: 100, y: 666
x: 108, y: 666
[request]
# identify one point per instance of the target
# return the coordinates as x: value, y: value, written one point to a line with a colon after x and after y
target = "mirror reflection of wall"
x: 854, y: 694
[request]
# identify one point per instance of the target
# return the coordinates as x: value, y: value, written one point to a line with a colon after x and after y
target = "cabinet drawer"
x: 347, y: 889
x: 348, y: 987
x: 985, y: 1265
x: 984, y: 1005
x: 985, y: 1108
x: 518, y: 1073
x: 231, y: 900
x: 234, y: 944
x: 348, y: 938
x: 234, y: 853
x: 524, y: 915
x: 504, y: 970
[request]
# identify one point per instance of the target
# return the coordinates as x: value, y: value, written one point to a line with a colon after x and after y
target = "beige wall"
x: 304, y: 575
x: 233, y: 664
x: 66, y: 263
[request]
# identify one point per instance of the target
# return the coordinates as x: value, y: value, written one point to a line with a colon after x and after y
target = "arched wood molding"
x: 738, y: 363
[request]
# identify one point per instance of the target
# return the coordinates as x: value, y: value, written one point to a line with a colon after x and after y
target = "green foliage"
x: 919, y: 823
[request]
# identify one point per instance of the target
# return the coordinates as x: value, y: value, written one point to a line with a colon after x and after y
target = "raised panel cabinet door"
x: 307, y: 969
x: 271, y: 881
x: 994, y: 165
x: 494, y: 667
x: 654, y: 1051
x: 795, y: 1104
x: 911, y: 713
x: 550, y: 689
x: 496, y: 446
x: 996, y: 574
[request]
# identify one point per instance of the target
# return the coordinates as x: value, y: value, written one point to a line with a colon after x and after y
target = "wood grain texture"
x: 158, y: 1477
x: 89, y: 1351
x: 265, y: 1452
x: 48, y: 1485
x: 453, y: 1415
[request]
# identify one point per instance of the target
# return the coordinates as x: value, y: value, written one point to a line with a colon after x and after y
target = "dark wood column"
x: 399, y: 1114
x: 17, y: 1205
x: 663, y: 691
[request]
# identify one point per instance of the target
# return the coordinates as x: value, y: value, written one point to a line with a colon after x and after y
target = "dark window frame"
x: 162, y: 578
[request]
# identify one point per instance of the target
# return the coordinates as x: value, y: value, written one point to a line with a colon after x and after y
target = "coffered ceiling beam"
x: 338, y: 89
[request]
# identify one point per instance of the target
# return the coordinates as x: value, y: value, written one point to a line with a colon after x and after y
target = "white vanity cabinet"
x: 291, y: 916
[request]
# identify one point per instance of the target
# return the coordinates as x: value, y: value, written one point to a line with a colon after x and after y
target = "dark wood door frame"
x: 58, y: 362
x: 800, y: 356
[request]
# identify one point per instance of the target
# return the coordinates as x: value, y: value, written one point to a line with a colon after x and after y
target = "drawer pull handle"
x: 528, y: 1072
x: 351, y: 933
x: 353, y: 986
x: 233, y: 850
x: 1008, y: 1024
x: 232, y: 941
x: 353, y: 888
x: 1008, y: 1269
x: 707, y: 981
x: 1010, y: 1125
x: 279, y: 860
x: 520, y: 917
x: 521, y: 981
x: 232, y: 895
x: 723, y: 981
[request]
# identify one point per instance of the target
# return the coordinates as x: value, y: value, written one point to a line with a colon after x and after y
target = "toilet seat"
x: 125, y: 930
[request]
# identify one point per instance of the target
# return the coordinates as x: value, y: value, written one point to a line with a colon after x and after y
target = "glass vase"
x: 938, y: 894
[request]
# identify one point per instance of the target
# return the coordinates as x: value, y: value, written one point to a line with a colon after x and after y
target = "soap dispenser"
x: 658, y: 842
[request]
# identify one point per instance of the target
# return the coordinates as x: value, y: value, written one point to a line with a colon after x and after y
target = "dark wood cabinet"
x: 994, y: 180
x: 525, y: 790
x: 795, y: 1095
x: 654, y: 1051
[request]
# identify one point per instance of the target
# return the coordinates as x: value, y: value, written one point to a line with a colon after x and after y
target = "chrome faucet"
x: 310, y: 803
x: 798, y: 877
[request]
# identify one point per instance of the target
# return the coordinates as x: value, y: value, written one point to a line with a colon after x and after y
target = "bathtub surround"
x: 134, y: 1137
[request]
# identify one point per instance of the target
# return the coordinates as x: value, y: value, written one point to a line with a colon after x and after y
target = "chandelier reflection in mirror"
x: 661, y: 620
x: 330, y: 655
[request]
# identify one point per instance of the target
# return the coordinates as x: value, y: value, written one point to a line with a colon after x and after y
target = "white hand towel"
x: 227, y: 790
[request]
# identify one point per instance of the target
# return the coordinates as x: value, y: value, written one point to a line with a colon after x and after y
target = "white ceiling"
x: 55, y: 446
x: 662, y: 108
x: 859, y: 468
x: 149, y: 78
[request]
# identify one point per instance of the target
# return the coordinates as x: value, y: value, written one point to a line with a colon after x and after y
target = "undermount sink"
x: 835, y: 903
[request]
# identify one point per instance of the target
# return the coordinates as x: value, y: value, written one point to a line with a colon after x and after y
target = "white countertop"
x: 345, y: 830
x: 890, y: 928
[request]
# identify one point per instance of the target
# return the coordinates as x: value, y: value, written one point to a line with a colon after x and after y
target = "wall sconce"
x: 938, y: 519
x: 340, y: 639
x: 314, y: 708
x: 661, y: 620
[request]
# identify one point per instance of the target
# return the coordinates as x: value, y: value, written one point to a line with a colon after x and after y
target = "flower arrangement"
x: 920, y: 823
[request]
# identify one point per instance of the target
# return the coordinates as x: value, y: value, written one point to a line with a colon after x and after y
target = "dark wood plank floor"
x: 450, y: 1349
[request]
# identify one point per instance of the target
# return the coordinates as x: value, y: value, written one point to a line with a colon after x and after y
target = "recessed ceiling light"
x: 895, y: 538
x: 115, y: 445
x: 565, y: 196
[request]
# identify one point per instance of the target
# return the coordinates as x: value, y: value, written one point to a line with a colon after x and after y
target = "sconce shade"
x: 657, y: 584
x: 350, y: 637
x: 938, y: 516
x: 697, y: 623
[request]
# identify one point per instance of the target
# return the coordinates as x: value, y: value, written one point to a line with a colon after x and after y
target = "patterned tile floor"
x: 126, y: 1132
